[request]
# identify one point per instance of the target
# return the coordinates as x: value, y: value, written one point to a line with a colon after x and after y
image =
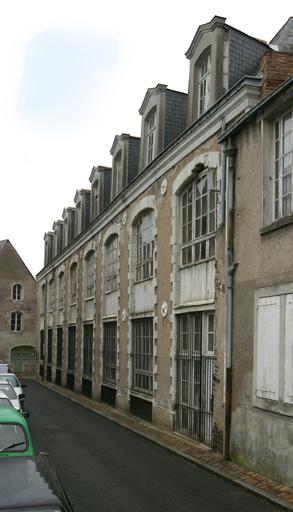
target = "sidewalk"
x: 190, y: 450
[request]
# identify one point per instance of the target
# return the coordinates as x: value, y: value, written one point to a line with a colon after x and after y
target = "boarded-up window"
x: 268, y: 339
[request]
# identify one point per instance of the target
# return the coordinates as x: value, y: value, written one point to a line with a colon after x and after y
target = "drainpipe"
x: 230, y: 153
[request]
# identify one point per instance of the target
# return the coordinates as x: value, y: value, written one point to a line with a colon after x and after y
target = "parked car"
x: 4, y: 400
x: 13, y: 380
x: 28, y: 484
x: 10, y: 393
x: 4, y: 368
x: 15, y: 438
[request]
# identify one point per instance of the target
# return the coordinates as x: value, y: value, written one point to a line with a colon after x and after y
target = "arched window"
x: 111, y: 264
x: 198, y: 219
x: 16, y: 321
x: 89, y: 275
x: 144, y: 234
x: 17, y: 292
x: 61, y: 290
x: 73, y: 284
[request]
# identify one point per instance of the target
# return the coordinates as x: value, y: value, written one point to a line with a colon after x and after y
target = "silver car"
x: 13, y: 380
x: 8, y: 390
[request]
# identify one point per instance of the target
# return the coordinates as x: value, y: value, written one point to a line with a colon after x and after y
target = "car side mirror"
x: 26, y: 414
x: 21, y: 396
x: 24, y: 386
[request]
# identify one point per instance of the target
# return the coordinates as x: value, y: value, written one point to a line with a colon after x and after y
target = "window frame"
x: 61, y: 283
x: 203, y: 83
x: 142, y: 361
x: 109, y: 373
x: 73, y: 271
x: 16, y: 320
x: 111, y: 264
x: 144, y: 250
x: 90, y: 277
x: 17, y: 292
x: 197, y: 236
x: 278, y: 405
x: 279, y: 175
x: 151, y: 125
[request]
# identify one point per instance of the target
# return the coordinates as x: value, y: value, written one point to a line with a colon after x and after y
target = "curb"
x: 194, y: 460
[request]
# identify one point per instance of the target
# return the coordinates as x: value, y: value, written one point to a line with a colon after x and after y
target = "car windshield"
x: 11, y: 379
x: 4, y: 401
x: 12, y: 438
x: 8, y: 390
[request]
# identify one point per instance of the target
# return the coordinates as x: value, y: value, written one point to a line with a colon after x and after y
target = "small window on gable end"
x: 17, y: 292
x: 203, y: 83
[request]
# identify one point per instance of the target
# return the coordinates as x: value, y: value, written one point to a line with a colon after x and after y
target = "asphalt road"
x: 106, y: 468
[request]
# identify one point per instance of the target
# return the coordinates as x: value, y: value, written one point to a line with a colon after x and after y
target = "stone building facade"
x: 18, y: 302
x: 136, y: 308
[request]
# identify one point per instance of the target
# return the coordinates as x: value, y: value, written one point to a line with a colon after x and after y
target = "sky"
x: 73, y: 75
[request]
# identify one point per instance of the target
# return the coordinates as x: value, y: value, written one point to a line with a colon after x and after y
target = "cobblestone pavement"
x: 194, y: 452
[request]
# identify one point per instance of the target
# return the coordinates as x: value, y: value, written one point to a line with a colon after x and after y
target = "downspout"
x: 230, y: 153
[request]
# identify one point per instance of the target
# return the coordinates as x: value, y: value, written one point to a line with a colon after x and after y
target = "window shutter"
x: 268, y: 335
x: 288, y: 355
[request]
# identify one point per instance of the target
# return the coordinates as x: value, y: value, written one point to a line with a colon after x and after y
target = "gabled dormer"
x: 49, y: 246
x: 219, y: 57
x: 163, y: 114
x: 58, y: 237
x: 68, y: 216
x: 100, y: 180
x: 125, y: 161
x: 82, y: 201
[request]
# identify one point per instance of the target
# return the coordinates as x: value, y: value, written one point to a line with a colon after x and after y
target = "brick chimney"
x: 276, y: 67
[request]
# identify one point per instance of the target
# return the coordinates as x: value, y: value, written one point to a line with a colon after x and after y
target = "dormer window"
x: 96, y: 198
x: 204, y: 72
x: 151, y: 128
x: 118, y: 173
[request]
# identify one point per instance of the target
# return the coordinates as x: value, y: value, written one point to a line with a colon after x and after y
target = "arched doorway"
x: 23, y: 360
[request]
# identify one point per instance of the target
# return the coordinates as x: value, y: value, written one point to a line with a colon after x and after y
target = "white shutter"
x: 268, y: 336
x: 288, y: 354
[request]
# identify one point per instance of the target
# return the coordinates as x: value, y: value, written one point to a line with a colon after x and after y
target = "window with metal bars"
x: 16, y: 321
x: 87, y: 350
x: 42, y: 344
x: 198, y: 219
x: 59, y: 347
x: 144, y: 233
x: 50, y: 337
x: 283, y: 166
x: 90, y: 275
x: 109, y: 352
x: 71, y: 348
x: 17, y: 292
x: 142, y: 355
x: 111, y: 264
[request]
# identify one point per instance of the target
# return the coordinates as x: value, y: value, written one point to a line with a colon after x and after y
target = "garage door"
x: 23, y: 359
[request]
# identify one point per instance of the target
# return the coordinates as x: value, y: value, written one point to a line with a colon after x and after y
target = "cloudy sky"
x: 74, y: 74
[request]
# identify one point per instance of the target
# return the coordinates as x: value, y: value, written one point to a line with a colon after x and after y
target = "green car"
x: 15, y: 438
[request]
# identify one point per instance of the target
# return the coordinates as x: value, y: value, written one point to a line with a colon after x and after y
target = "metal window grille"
x: 59, y: 346
x: 110, y: 352
x: 17, y: 292
x: 142, y: 355
x: 42, y: 344
x: 283, y: 166
x: 111, y: 264
x: 90, y: 275
x: 195, y: 367
x: 50, y: 336
x: 87, y: 350
x: 144, y: 247
x: 16, y: 322
x: 73, y: 284
x: 71, y: 348
x: 198, y: 220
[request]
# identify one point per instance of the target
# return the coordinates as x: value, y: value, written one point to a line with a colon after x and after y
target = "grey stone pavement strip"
x: 190, y: 450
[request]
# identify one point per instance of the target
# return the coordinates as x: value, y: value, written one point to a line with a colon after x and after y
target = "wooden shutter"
x: 288, y: 353
x: 268, y: 336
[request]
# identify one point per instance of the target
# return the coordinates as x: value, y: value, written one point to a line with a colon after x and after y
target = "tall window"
x: 144, y: 246
x: 61, y: 290
x: 89, y: 275
x: 42, y: 305
x: 283, y: 166
x: 16, y: 321
x: 17, y: 292
x: 59, y: 346
x: 118, y: 173
x: 142, y: 355
x: 42, y: 344
x: 51, y: 294
x: 198, y: 220
x: 96, y: 198
x: 111, y: 264
x: 150, y: 136
x: 87, y: 350
x: 71, y: 348
x: 204, y: 70
x: 110, y: 352
x: 50, y: 336
x: 73, y: 283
